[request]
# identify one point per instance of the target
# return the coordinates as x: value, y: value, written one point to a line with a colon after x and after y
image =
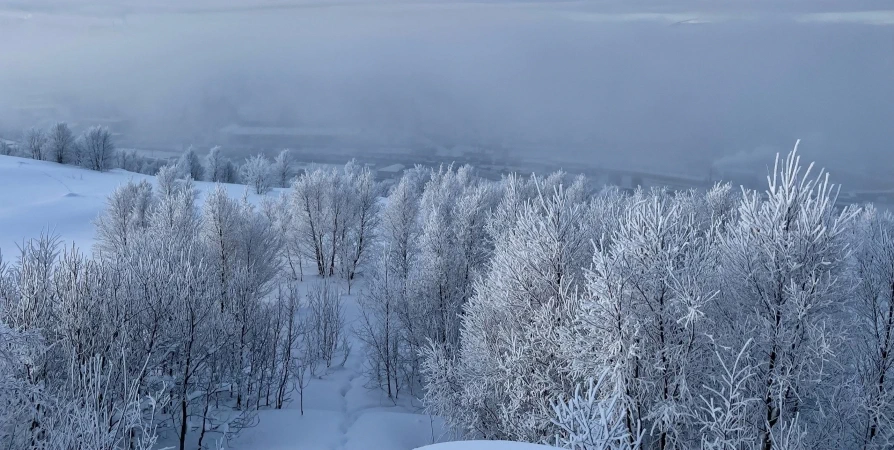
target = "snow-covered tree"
x: 642, y: 314
x: 17, y: 395
x: 127, y: 214
x: 35, y: 141
x: 722, y: 415
x: 874, y: 328
x: 287, y: 334
x: 509, y: 367
x: 97, y: 150
x: 110, y: 350
x: 6, y: 149
x: 61, y: 143
x: 595, y: 419
x: 190, y: 165
x: 175, y: 213
x: 131, y: 161
x: 282, y: 218
x: 310, y: 205
x: 334, y: 214
x: 384, y: 302
x: 363, y: 221
x: 380, y: 330
x: 399, y: 226
x: 220, y: 231
x: 530, y: 309
x: 215, y: 165
x: 784, y: 269
x: 431, y: 251
x: 256, y: 172
x: 258, y: 247
x: 281, y: 170
x: 230, y: 172
x: 326, y: 323
x: 453, y: 248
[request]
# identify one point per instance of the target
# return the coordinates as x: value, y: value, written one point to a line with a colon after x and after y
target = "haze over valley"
x: 657, y: 85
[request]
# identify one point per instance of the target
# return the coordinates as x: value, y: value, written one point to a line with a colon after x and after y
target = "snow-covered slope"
x: 339, y: 411
x: 41, y: 196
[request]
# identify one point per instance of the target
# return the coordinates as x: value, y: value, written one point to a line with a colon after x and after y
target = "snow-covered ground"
x: 340, y: 412
x: 485, y: 445
x: 44, y: 197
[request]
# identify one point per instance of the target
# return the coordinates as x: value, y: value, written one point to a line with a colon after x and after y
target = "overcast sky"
x: 655, y: 83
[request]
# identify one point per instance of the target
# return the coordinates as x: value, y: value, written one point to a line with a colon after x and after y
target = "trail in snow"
x: 341, y: 412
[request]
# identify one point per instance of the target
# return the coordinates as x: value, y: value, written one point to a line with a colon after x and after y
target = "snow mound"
x: 485, y: 445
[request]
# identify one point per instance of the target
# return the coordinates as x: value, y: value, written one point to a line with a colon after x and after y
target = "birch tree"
x: 61, y: 143
x: 97, y: 149
x: 642, y: 320
x: 784, y: 263
x: 281, y: 170
x: 255, y: 172
x: 507, y: 382
x: 127, y: 214
x: 214, y: 166
x: 190, y: 165
x: 874, y: 310
x: 35, y: 142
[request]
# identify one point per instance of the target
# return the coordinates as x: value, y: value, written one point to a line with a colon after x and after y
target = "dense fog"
x: 658, y: 85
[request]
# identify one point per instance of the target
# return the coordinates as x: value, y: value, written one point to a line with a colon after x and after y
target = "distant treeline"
x: 95, y: 149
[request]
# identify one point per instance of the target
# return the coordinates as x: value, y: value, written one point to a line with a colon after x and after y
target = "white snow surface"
x: 45, y: 197
x: 485, y: 445
x: 340, y: 410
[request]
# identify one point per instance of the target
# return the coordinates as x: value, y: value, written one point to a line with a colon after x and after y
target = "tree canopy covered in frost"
x: 538, y: 309
x: 190, y: 165
x: 61, y: 144
x: 170, y: 329
x: 711, y: 320
x: 257, y: 173
x: 96, y: 149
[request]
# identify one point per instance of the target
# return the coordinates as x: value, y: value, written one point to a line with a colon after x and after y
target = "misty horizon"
x: 644, y: 85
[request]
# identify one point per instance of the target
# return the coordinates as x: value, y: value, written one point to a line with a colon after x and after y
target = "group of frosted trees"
x: 537, y: 309
x: 432, y: 243
x: 180, y: 326
x: 256, y: 172
x: 94, y: 149
x: 333, y: 214
x: 543, y: 310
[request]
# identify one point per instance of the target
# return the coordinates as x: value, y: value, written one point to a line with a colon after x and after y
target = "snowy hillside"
x: 315, y: 318
x: 340, y: 411
x: 39, y: 196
